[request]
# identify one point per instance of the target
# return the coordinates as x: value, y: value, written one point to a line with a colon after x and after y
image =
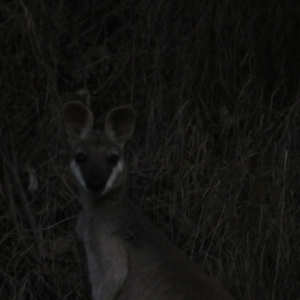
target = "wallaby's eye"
x: 113, y: 158
x: 80, y: 158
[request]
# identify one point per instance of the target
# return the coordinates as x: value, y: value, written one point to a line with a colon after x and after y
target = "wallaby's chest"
x: 96, y: 230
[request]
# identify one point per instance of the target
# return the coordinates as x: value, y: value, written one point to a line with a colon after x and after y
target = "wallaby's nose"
x: 95, y: 184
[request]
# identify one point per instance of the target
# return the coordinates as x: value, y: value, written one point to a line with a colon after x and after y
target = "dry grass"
x: 214, y: 160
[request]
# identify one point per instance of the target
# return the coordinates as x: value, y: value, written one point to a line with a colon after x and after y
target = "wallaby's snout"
x: 95, y: 181
x: 95, y: 184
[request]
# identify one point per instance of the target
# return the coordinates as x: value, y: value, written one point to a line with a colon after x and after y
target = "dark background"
x: 214, y: 158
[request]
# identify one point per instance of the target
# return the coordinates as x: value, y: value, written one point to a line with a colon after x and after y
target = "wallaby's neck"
x: 113, y: 197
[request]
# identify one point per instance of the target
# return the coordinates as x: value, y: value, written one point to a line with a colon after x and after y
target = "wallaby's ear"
x: 119, y: 124
x: 78, y: 119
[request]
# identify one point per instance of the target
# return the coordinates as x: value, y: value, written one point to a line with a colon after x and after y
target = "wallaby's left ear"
x: 78, y: 119
x: 119, y: 124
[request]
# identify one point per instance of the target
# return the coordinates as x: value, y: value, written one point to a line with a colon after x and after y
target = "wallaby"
x: 128, y: 258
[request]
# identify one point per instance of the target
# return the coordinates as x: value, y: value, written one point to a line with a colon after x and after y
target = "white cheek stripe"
x: 75, y: 169
x: 114, y: 175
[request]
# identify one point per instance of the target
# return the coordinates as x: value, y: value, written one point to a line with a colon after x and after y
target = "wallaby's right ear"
x: 78, y: 119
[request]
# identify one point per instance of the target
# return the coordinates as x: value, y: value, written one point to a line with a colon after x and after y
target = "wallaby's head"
x: 97, y: 161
